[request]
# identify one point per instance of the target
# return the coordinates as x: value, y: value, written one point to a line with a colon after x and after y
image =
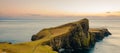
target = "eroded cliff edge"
x: 71, y: 36
x: 75, y: 35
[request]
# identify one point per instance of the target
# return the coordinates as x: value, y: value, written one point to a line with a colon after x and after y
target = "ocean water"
x: 110, y: 44
x: 17, y: 31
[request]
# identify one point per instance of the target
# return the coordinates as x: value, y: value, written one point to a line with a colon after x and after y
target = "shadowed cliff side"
x: 72, y: 36
x: 100, y: 33
x: 67, y: 38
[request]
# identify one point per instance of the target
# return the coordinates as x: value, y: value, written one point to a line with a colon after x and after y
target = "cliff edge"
x: 75, y: 35
x: 68, y: 37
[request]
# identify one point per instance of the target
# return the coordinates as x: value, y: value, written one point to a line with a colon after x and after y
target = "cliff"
x: 100, y: 33
x: 75, y: 35
x: 71, y: 36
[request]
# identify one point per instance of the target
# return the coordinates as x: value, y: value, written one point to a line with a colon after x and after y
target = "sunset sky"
x: 15, y: 8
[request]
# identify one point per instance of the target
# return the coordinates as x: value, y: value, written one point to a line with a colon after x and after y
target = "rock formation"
x: 5, y: 43
x: 65, y: 38
x: 100, y: 33
x: 75, y: 35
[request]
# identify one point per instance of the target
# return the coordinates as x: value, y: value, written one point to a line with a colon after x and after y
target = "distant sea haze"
x: 17, y: 31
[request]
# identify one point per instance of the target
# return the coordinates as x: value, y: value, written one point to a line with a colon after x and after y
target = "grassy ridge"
x: 73, y: 35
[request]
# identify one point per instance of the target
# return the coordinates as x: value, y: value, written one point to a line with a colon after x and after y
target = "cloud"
x: 108, y: 12
x: 118, y: 12
x: 34, y: 15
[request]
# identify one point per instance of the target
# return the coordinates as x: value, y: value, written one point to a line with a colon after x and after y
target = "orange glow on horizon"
x: 59, y: 7
x: 19, y: 12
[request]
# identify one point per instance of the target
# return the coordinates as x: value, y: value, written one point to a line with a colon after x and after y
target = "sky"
x: 57, y: 8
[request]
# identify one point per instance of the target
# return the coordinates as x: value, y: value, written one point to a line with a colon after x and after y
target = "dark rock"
x: 5, y: 43
x: 100, y: 33
x: 75, y: 35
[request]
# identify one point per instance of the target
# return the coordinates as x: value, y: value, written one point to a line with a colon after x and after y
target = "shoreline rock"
x: 100, y: 33
x: 5, y: 43
x: 75, y: 35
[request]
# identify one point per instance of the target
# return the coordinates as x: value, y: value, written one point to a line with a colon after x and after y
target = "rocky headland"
x: 65, y: 38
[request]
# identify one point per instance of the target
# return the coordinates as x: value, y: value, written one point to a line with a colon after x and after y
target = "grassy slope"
x: 35, y: 46
x: 28, y: 47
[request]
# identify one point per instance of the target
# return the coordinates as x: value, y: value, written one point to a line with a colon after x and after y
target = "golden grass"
x: 28, y: 47
x: 36, y: 46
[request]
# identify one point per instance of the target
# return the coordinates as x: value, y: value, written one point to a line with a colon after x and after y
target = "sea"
x: 18, y: 31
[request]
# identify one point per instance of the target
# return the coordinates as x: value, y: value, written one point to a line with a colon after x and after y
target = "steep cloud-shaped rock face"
x: 75, y: 35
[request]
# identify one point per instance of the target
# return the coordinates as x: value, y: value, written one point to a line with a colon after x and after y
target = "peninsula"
x: 65, y: 38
